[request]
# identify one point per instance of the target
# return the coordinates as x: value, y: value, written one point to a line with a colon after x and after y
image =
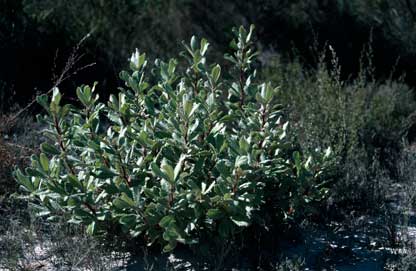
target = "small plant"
x: 179, y: 157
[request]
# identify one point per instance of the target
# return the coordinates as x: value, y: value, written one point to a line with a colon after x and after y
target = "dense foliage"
x: 192, y: 156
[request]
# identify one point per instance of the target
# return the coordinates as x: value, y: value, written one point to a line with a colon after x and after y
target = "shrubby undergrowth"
x: 180, y: 155
x: 364, y: 120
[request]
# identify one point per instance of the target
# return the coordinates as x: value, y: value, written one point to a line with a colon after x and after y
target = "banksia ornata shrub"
x: 184, y: 155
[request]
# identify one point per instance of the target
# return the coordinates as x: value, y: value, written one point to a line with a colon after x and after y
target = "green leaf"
x: 105, y: 173
x: 244, y: 146
x: 75, y: 182
x: 127, y: 200
x: 241, y: 160
x: 216, y: 72
x: 120, y: 204
x: 167, y: 221
x: 297, y: 159
x: 194, y: 44
x: 250, y: 33
x: 214, y: 214
x: 328, y: 153
x: 43, y: 101
x: 168, y: 171
x: 187, y: 105
x: 56, y: 96
x: 40, y: 211
x: 172, y: 66
x: 206, y: 191
x: 49, y: 149
x: 128, y: 220
x: 137, y: 60
x: 65, y: 110
x: 44, y: 161
x: 157, y: 172
x: 82, y: 97
x: 35, y: 173
x: 169, y: 247
x: 23, y: 180
x: 204, y: 46
x: 170, y: 234
x: 178, y: 166
x: 194, y: 108
x: 91, y: 228
x: 210, y: 100
x: 240, y: 223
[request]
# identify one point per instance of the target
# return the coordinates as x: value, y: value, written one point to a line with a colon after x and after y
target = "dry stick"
x: 54, y: 67
x: 66, y: 73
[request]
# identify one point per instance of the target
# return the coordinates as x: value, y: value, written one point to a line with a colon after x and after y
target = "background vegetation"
x: 345, y: 71
x: 32, y: 31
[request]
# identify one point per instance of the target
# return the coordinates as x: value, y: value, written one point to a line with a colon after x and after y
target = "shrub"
x: 365, y: 122
x: 181, y: 157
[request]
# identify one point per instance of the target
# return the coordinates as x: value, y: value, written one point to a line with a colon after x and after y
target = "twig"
x: 66, y: 73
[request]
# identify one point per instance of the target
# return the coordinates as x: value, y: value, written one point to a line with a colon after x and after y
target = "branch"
x: 67, y: 72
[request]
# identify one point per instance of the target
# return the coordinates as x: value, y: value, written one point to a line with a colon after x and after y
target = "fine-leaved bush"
x: 364, y: 120
x: 181, y: 154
